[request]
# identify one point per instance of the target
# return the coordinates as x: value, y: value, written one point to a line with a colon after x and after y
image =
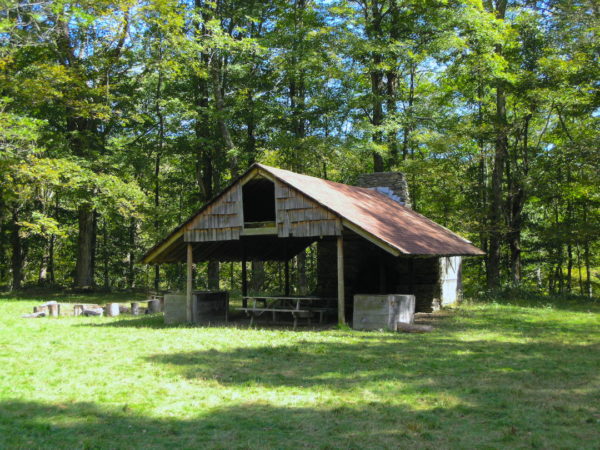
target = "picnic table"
x: 298, y: 306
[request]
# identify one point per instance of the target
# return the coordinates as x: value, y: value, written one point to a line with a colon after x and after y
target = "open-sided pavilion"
x: 270, y: 214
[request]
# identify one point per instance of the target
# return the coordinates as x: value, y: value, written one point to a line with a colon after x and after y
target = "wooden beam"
x: 190, y: 262
x: 259, y: 231
x: 369, y: 237
x: 340, y: 281
x: 267, y: 175
x: 150, y: 258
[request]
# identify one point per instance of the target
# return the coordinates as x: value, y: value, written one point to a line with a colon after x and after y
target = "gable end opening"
x: 258, y: 200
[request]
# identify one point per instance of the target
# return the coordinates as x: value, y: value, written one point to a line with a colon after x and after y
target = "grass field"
x: 490, y: 376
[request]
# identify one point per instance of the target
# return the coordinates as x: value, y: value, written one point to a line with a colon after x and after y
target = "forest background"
x: 120, y: 118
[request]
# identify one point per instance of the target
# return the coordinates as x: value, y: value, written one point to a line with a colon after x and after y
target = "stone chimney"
x: 392, y: 184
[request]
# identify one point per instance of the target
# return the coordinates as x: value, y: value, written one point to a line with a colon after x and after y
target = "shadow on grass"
x: 252, y: 425
x: 400, y: 392
x: 409, y: 364
x: 546, y: 388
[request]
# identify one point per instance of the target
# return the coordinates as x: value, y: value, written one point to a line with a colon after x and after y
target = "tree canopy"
x: 118, y: 119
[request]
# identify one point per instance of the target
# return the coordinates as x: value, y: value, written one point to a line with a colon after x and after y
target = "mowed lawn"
x: 489, y: 376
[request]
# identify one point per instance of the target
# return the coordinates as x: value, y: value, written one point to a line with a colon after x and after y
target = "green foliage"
x: 143, y: 111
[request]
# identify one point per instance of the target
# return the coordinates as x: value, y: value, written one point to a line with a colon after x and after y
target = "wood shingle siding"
x: 299, y: 216
x: 220, y: 221
x: 296, y: 216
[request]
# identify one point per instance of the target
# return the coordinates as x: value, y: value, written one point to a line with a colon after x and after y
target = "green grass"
x: 490, y: 376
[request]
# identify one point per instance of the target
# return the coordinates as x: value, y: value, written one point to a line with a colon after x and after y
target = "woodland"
x: 119, y: 119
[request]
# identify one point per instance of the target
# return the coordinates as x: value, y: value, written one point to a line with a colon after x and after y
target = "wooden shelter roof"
x: 402, y: 228
x: 371, y: 214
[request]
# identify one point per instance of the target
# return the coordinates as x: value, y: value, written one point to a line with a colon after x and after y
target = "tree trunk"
x: 569, y: 267
x: 250, y: 127
x: 105, y: 255
x: 496, y: 211
x: 204, y: 152
x: 586, y: 258
x: 258, y: 276
x: 203, y: 125
x: 392, y: 85
x: 131, y: 256
x: 579, y: 277
x: 500, y: 152
x: 482, y: 177
x: 157, y: 160
x: 297, y: 97
x: 84, y: 275
x: 375, y: 32
x: 43, y: 273
x: 204, y: 145
x: 391, y: 78
x: 559, y: 271
x: 377, y: 93
x: 217, y: 88
x: 213, y: 276
x: 17, y: 252
x: 51, y: 276
x: 588, y: 269
x: 94, y: 244
x: 302, y: 278
x: 515, y: 257
x: 518, y: 195
x: 515, y: 207
x: 406, y: 147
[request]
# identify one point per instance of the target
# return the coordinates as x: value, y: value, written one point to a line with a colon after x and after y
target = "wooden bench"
x: 296, y: 313
x: 322, y: 311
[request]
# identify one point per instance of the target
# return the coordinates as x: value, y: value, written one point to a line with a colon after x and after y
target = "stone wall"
x: 370, y: 270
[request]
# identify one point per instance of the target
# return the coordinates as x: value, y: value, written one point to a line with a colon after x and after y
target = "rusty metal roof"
x: 375, y: 213
x: 391, y: 225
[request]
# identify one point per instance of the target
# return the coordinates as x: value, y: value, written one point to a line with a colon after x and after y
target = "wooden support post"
x: 244, y: 282
x: 340, y: 280
x: 190, y: 261
x: 287, y: 277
